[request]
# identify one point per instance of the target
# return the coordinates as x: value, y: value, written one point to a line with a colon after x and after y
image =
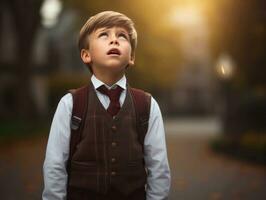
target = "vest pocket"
x: 79, y: 164
x: 135, y: 176
x: 83, y: 175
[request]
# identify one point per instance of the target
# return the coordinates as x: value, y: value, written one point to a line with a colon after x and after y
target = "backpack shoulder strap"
x: 142, y: 102
x: 80, y: 105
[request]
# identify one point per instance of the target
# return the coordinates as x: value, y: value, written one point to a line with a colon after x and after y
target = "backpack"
x: 141, y: 100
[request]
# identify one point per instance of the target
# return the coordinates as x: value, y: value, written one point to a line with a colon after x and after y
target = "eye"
x: 123, y: 35
x: 103, y: 34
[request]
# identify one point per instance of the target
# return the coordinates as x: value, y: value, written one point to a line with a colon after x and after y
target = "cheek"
x: 96, y: 45
x: 96, y: 50
x: 128, y: 49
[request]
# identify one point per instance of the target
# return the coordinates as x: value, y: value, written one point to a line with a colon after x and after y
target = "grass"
x: 20, y: 129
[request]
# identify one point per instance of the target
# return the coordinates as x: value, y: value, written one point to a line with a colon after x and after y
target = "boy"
x: 109, y: 162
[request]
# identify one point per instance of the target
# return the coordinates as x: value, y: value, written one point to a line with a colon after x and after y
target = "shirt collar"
x: 97, y: 83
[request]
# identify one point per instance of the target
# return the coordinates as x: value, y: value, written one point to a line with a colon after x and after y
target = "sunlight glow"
x: 186, y: 16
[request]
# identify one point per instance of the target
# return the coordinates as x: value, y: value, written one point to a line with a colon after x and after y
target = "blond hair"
x: 107, y: 19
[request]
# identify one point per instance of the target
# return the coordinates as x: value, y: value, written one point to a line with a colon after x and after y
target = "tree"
x: 26, y: 18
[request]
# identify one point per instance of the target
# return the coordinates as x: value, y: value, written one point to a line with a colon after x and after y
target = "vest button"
x: 114, y: 144
x: 113, y: 128
x: 113, y: 160
x: 113, y: 173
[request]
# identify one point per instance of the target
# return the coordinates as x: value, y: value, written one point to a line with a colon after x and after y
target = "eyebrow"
x: 123, y: 31
x: 101, y: 30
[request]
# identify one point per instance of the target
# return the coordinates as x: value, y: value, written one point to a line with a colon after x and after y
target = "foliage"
x: 17, y: 129
x: 246, y: 112
x: 250, y: 146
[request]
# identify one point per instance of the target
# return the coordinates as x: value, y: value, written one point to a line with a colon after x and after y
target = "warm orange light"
x: 225, y: 67
x: 185, y: 16
x: 222, y: 68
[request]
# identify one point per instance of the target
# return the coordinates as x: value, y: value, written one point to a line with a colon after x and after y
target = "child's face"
x: 109, y: 49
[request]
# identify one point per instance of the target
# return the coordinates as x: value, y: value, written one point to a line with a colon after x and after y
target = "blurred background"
x: 204, y: 62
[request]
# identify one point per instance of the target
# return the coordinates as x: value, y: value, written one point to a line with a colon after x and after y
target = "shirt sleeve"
x: 57, y: 152
x: 155, y: 156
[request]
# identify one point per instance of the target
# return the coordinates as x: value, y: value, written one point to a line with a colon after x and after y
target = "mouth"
x: 114, y: 51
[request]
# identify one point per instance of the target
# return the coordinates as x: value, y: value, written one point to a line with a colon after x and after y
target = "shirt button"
x: 114, y: 144
x: 113, y: 173
x: 113, y: 160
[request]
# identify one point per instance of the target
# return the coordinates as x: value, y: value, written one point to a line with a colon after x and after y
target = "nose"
x: 114, y: 40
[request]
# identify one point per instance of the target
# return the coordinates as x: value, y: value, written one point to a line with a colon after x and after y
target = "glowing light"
x: 223, y: 71
x: 225, y: 67
x: 50, y: 11
x: 186, y: 16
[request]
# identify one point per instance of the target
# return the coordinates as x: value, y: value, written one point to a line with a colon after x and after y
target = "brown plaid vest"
x: 109, y: 155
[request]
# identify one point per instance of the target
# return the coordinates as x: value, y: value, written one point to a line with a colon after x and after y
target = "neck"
x: 109, y: 78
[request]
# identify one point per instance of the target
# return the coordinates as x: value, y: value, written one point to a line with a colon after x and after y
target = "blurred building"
x: 195, y: 85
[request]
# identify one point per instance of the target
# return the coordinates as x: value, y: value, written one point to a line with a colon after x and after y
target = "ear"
x: 132, y: 60
x: 85, y: 56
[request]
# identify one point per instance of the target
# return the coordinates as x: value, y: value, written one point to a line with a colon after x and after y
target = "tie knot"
x: 113, y: 94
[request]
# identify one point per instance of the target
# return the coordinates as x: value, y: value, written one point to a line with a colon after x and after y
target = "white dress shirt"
x: 57, y: 152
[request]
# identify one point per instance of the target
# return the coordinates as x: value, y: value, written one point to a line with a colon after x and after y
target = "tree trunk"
x: 26, y: 19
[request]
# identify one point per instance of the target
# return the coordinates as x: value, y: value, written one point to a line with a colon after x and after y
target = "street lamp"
x: 225, y: 69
